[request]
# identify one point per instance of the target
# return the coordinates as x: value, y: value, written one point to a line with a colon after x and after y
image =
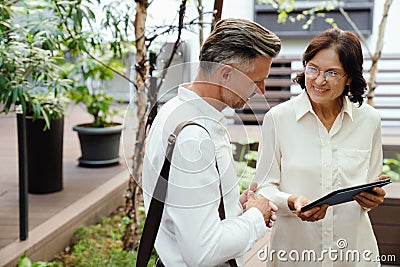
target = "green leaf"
x: 41, y: 264
x: 24, y: 261
x: 330, y: 20
x: 386, y: 168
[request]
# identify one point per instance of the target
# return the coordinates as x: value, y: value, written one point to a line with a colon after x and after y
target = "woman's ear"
x: 348, y: 82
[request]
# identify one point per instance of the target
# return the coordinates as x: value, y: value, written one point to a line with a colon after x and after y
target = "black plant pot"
x: 99, y: 146
x: 44, y: 155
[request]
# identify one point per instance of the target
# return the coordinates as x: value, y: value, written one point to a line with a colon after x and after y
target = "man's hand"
x: 312, y: 215
x: 371, y: 200
x: 266, y: 207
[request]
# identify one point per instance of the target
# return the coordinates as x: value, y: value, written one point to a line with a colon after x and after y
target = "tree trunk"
x: 201, y: 21
x: 146, y: 94
x: 378, y: 51
x: 217, y: 12
x: 134, y: 196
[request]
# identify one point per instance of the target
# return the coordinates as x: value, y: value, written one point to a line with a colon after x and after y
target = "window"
x: 360, y: 12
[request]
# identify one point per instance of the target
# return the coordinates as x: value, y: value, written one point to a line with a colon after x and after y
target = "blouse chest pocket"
x: 353, y: 164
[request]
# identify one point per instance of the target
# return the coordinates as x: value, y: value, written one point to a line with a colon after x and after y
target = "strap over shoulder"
x: 154, y: 215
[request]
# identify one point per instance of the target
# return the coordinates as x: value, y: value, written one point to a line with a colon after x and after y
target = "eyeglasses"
x: 313, y: 72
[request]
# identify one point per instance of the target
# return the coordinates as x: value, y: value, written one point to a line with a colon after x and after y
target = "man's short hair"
x: 238, y: 42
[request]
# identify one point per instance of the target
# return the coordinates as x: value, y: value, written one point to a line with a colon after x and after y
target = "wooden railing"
x: 279, y: 88
x: 386, y: 224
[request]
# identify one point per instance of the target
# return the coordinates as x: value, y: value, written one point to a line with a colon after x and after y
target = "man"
x: 234, y: 62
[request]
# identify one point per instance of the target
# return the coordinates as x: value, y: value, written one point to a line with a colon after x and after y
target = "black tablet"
x: 345, y: 194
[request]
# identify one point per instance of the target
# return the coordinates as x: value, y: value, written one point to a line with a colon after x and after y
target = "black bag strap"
x: 156, y: 208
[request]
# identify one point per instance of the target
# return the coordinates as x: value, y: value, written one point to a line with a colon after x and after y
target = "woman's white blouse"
x: 298, y: 156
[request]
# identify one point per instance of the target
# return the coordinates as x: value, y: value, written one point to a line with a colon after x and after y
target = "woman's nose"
x: 321, y: 79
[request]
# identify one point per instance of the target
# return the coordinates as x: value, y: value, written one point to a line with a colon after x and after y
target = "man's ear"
x: 225, y: 74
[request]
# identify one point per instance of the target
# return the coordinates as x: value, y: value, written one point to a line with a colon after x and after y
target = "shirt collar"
x: 302, y: 105
x: 203, y: 106
x: 348, y: 107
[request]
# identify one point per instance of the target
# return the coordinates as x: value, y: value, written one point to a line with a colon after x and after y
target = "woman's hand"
x: 312, y: 215
x: 371, y: 200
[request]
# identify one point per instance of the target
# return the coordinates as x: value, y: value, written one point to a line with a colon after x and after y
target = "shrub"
x: 97, y: 245
x: 391, y: 168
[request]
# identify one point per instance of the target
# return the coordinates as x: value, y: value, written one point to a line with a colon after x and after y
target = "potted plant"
x: 31, y: 84
x: 44, y: 141
x: 91, y: 61
x: 100, y: 138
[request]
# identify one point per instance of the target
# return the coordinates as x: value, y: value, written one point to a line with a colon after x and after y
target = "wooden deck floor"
x: 88, y: 193
x: 79, y: 183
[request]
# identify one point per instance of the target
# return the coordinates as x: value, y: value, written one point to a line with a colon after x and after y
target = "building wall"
x: 165, y: 12
x: 158, y: 14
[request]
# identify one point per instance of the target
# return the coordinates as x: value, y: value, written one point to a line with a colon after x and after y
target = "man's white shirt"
x: 191, y: 232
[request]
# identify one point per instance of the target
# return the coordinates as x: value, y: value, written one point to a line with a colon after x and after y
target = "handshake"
x: 248, y: 199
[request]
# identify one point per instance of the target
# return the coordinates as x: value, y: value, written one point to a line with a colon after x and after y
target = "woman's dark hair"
x: 348, y: 47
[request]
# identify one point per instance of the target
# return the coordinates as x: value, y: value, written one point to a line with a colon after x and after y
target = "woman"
x: 320, y: 141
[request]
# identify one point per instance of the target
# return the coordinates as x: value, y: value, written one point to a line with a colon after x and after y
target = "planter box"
x: 44, y: 157
x: 386, y: 223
